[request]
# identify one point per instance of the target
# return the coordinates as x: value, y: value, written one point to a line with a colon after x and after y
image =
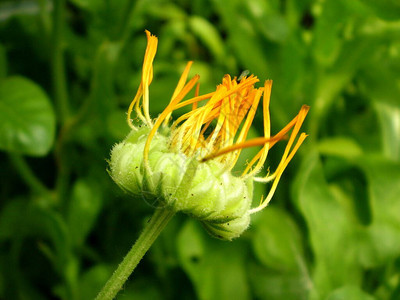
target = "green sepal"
x: 206, y: 191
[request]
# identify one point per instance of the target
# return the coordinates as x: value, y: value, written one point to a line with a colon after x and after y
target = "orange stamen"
x: 147, y: 73
x: 247, y: 124
x: 299, y: 121
x: 196, y: 94
x: 247, y: 144
x: 179, y: 87
x: 278, y: 175
x: 164, y: 114
x: 231, y: 108
x: 134, y: 101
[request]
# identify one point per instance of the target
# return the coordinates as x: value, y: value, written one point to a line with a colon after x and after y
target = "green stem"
x: 58, y: 67
x: 60, y: 93
x: 151, y: 231
x: 123, y: 31
x: 27, y: 174
x: 45, y: 21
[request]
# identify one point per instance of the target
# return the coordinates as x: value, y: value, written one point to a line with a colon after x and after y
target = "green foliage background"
x: 68, y: 70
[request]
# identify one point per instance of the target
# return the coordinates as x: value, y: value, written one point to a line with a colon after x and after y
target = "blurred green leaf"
x: 242, y: 36
x: 90, y: 5
x: 330, y: 228
x: 339, y: 146
x: 11, y: 9
x: 268, y: 19
x: 216, y: 268
x: 278, y: 285
x: 326, y: 39
x: 386, y: 9
x: 142, y: 290
x: 384, y: 88
x: 276, y: 241
x: 84, y: 208
x: 277, y: 244
x: 291, y: 70
x: 166, y: 11
x: 3, y: 62
x: 332, y: 82
x: 389, y: 117
x: 28, y: 121
x: 380, y: 243
x: 2, y: 279
x: 349, y: 292
x: 274, y: 27
x: 208, y: 34
x: 91, y: 282
x: 10, y: 219
x: 21, y: 219
x: 102, y: 84
x: 117, y: 125
x: 56, y: 229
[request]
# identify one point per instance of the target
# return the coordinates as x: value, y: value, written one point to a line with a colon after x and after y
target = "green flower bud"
x: 205, y: 191
x: 189, y: 169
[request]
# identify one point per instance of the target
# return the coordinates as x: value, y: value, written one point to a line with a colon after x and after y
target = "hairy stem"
x: 151, y: 231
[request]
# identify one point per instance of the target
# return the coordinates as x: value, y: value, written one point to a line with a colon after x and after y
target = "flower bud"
x: 187, y: 166
x: 203, y: 190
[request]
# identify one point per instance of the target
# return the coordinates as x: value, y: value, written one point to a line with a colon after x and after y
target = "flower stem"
x: 123, y: 30
x: 28, y: 175
x: 151, y: 231
x: 57, y: 63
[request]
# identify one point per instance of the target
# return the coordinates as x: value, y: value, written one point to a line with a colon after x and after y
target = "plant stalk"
x: 57, y: 64
x: 151, y: 231
x: 28, y: 175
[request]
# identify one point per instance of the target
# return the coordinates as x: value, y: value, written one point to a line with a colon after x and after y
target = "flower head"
x: 187, y: 165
